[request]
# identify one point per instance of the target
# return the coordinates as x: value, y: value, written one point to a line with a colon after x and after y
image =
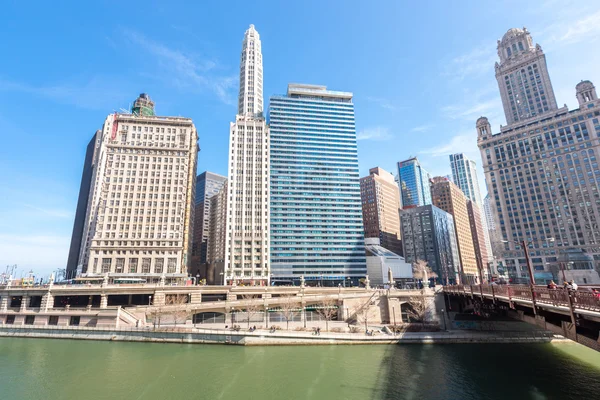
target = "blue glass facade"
x: 316, y: 214
x: 413, y: 183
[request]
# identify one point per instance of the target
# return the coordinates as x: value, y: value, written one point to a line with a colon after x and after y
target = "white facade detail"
x: 250, y: 101
x: 140, y: 203
x: 247, y: 240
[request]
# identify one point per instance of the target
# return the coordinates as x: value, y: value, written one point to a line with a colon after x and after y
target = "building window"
x: 29, y: 319
x: 74, y: 321
x: 106, y: 265
x: 145, y: 265
x: 10, y: 319
x: 133, y: 264
x: 171, y: 265
x: 120, y: 267
x: 158, y: 265
x: 53, y: 320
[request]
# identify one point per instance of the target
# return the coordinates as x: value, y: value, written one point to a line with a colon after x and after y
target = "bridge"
x: 574, y: 314
x: 135, y: 304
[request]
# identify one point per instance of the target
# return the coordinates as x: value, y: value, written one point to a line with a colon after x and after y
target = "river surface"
x: 64, y: 369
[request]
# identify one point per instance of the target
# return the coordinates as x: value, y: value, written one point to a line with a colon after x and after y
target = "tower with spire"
x: 247, y: 233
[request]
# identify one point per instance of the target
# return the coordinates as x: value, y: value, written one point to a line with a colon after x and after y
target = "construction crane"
x: 8, y: 273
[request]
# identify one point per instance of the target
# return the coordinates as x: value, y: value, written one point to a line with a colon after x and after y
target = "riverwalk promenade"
x: 279, y: 337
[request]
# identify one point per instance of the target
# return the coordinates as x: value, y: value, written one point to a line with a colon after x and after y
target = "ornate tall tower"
x: 250, y: 101
x: 522, y: 76
x: 247, y: 233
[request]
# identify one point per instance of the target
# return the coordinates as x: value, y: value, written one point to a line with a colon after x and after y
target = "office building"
x: 523, y: 78
x: 464, y: 174
x: 316, y: 216
x: 489, y: 216
x: 448, y: 197
x: 207, y: 185
x: 380, y: 208
x: 139, y: 196
x: 413, y: 182
x: 542, y: 168
x: 478, y: 238
x: 385, y: 267
x: 247, y: 245
x: 428, y: 234
x: 215, y: 257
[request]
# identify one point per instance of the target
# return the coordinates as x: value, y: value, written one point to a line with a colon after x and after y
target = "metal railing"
x: 583, y: 299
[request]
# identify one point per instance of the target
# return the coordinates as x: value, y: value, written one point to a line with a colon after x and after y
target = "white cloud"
x: 471, y: 112
x: 478, y: 61
x: 97, y: 93
x: 584, y: 29
x: 39, y: 253
x: 383, y: 103
x: 186, y: 70
x: 375, y: 133
x: 461, y: 143
x: 422, y: 128
x: 57, y: 213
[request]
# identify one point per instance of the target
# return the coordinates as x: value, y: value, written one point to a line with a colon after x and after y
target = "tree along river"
x: 64, y: 369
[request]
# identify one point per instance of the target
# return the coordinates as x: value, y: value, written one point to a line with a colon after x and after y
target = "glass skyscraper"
x: 428, y: 234
x: 413, y: 182
x: 316, y: 215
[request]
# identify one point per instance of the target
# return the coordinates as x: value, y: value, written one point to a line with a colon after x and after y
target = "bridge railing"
x: 581, y: 299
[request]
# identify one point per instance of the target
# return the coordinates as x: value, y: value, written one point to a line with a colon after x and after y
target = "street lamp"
x: 523, y: 244
x: 222, y: 278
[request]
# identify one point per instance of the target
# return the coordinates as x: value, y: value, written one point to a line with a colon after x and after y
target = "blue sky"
x: 421, y: 74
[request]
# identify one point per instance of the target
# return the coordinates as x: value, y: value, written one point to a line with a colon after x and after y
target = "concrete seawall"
x: 260, y: 338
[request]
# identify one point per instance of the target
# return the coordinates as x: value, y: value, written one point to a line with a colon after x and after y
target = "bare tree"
x: 360, y: 312
x: 327, y: 309
x: 179, y: 301
x: 289, y: 308
x: 422, y: 271
x: 418, y: 309
x: 252, y: 307
x: 156, y: 314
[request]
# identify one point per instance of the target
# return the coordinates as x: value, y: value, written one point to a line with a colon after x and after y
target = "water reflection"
x: 62, y: 369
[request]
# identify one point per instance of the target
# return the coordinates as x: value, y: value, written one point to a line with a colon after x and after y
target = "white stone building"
x: 138, y: 192
x: 247, y: 244
x: 542, y: 168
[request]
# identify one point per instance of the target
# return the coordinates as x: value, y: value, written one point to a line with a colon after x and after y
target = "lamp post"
x: 523, y: 243
x: 444, y: 318
x: 222, y: 278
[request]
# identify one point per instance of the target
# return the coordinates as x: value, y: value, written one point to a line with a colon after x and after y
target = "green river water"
x: 64, y: 369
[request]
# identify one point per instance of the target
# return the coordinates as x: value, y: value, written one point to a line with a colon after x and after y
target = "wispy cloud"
x: 57, y: 213
x: 376, y: 133
x: 472, y: 111
x: 422, y: 128
x: 384, y: 103
x: 97, y: 93
x: 186, y: 70
x: 583, y: 29
x: 461, y: 143
x: 477, y: 61
x: 40, y: 253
